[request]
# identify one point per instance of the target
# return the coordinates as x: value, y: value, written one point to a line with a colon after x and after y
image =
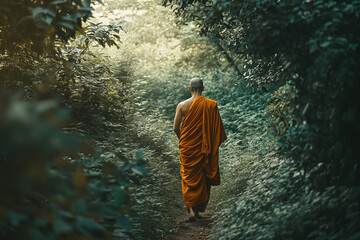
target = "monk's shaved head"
x: 196, y: 85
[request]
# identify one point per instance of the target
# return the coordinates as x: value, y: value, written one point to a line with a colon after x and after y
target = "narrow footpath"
x: 199, y: 229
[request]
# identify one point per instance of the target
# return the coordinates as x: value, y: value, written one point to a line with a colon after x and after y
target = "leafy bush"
x: 282, y: 109
x: 61, y: 186
x: 104, y: 107
x: 45, y: 193
x: 278, y: 203
x: 38, y: 24
x: 87, y: 83
x: 266, y: 35
x: 314, y: 45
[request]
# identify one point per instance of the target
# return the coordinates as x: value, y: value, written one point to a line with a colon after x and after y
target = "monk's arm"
x: 177, y: 121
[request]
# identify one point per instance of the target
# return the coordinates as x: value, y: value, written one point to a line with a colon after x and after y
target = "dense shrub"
x: 282, y: 110
x: 266, y: 34
x: 36, y: 25
x: 56, y: 184
x: 314, y: 46
x: 46, y: 192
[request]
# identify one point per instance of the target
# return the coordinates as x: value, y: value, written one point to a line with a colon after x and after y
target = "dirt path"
x: 199, y: 229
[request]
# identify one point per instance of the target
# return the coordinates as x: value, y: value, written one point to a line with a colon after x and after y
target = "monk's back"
x: 200, y: 136
x: 185, y: 106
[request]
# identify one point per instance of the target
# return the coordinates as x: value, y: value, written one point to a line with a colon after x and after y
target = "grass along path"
x: 165, y: 57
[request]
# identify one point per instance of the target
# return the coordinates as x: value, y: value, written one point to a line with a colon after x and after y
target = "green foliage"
x: 52, y: 195
x: 87, y: 82
x: 315, y: 46
x: 282, y: 110
x: 103, y: 34
x: 157, y: 201
x: 104, y: 100
x: 59, y: 187
x: 302, y: 57
x: 37, y: 24
x: 284, y: 41
x: 278, y: 203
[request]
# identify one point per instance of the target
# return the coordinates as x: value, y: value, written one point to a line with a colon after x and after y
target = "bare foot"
x: 192, y: 216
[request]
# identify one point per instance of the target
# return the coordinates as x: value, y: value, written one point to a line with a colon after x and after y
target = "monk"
x: 201, y: 134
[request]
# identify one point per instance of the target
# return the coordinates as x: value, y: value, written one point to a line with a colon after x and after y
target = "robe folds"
x: 202, y: 132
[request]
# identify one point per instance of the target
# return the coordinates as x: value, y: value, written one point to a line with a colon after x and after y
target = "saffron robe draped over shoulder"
x: 202, y: 132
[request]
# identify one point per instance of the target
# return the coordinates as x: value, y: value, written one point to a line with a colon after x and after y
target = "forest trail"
x: 162, y: 50
x: 199, y: 229
x: 87, y: 147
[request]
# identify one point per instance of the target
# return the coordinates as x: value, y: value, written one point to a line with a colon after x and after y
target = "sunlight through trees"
x: 88, y: 94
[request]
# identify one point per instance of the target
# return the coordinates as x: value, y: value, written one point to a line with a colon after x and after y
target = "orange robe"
x: 202, y: 132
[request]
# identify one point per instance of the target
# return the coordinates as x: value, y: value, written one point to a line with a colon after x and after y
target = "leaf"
x: 87, y: 9
x: 79, y: 207
x: 61, y: 226
x: 139, y: 170
x: 55, y: 2
x: 121, y: 23
x: 125, y: 167
x: 313, y: 46
x: 41, y: 221
x: 16, y: 218
x: 305, y: 109
x: 113, y: 92
x: 325, y: 44
x: 69, y: 18
x: 87, y: 225
x: 119, y: 197
x: 123, y: 222
x: 65, y: 24
x: 43, y: 11
x: 139, y: 153
x: 36, y: 234
x: 79, y: 179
